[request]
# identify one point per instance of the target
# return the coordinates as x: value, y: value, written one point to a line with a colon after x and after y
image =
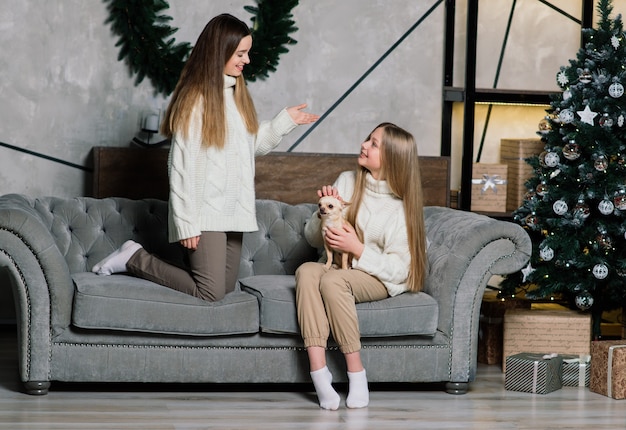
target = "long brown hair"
x: 400, y: 168
x: 202, y: 80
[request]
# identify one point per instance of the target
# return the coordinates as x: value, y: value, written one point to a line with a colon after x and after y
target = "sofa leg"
x: 37, y: 388
x: 457, y: 387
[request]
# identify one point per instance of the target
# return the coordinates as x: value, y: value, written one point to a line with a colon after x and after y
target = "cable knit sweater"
x: 381, y: 219
x: 213, y: 189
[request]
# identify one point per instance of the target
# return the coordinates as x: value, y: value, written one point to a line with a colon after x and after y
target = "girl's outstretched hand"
x: 300, y: 117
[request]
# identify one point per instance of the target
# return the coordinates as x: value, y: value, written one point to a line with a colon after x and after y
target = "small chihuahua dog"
x: 331, y: 214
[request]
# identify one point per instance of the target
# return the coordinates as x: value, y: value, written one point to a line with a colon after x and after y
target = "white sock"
x: 326, y: 394
x: 358, y: 394
x: 116, y: 261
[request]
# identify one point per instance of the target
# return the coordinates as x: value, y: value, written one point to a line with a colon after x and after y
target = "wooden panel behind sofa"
x: 295, y: 177
x: 291, y: 177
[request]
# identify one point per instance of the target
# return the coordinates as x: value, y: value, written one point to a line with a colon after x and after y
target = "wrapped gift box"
x: 546, y: 331
x: 576, y: 370
x: 492, y: 326
x: 513, y: 153
x: 608, y: 374
x: 533, y: 373
x: 489, y: 187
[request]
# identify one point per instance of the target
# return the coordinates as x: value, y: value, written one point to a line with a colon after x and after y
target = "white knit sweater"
x: 381, y: 219
x: 213, y: 189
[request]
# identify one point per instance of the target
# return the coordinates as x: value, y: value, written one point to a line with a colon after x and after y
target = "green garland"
x: 150, y: 51
x: 272, y: 25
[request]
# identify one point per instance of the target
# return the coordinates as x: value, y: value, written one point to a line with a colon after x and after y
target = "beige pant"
x: 326, y: 301
x: 212, y: 272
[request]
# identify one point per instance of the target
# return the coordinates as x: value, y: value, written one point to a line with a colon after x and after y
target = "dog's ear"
x: 345, y: 204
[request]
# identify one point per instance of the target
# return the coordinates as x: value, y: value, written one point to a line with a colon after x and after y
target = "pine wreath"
x: 147, y: 44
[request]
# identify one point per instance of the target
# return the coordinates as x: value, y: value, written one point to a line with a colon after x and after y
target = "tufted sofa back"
x: 86, y: 230
x: 278, y: 247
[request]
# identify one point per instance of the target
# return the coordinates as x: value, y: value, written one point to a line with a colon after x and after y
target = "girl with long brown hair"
x: 215, y: 135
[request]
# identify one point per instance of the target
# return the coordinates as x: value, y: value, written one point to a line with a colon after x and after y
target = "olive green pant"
x: 212, y: 272
x: 326, y: 301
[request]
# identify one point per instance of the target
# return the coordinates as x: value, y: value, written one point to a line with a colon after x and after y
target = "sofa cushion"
x: 403, y: 315
x: 121, y: 302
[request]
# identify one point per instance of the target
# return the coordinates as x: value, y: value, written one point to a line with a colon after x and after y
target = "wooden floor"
x: 486, y: 406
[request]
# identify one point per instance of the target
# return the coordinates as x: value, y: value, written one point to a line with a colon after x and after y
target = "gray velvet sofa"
x: 79, y: 327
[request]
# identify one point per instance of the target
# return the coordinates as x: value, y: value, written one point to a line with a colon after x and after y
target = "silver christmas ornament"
x: 542, y: 189
x: 601, y: 163
x: 584, y: 301
x: 546, y: 253
x: 616, y: 90
x: 560, y: 207
x: 600, y: 271
x: 585, y: 76
x: 620, y: 201
x: 615, y: 41
x: 552, y: 159
x: 571, y: 151
x: 544, y: 126
x: 566, y: 116
x: 582, y: 209
x: 606, y: 207
x: 605, y: 121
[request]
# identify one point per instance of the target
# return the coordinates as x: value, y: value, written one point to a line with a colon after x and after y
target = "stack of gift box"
x: 548, y: 347
x: 500, y: 187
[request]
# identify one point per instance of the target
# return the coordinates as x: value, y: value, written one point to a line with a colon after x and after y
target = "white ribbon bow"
x: 489, y: 181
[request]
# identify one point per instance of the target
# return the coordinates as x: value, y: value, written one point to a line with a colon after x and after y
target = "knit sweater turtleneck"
x: 212, y: 189
x: 386, y: 255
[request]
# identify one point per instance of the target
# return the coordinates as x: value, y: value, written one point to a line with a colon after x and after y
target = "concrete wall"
x: 63, y: 90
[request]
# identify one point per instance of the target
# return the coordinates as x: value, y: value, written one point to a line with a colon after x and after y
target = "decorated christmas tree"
x: 575, y: 208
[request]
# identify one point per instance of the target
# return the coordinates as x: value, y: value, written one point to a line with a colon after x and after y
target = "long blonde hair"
x: 202, y: 80
x: 400, y: 168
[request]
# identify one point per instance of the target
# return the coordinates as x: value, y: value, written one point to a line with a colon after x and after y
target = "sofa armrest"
x: 466, y: 250
x: 40, y: 281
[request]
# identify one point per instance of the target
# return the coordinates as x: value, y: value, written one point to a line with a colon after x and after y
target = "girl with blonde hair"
x: 388, y: 245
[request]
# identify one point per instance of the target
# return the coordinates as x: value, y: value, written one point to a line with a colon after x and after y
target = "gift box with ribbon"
x: 558, y: 329
x: 533, y: 373
x: 576, y: 370
x: 608, y: 374
x: 489, y: 187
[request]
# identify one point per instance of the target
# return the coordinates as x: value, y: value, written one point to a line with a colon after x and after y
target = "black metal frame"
x: 469, y: 95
